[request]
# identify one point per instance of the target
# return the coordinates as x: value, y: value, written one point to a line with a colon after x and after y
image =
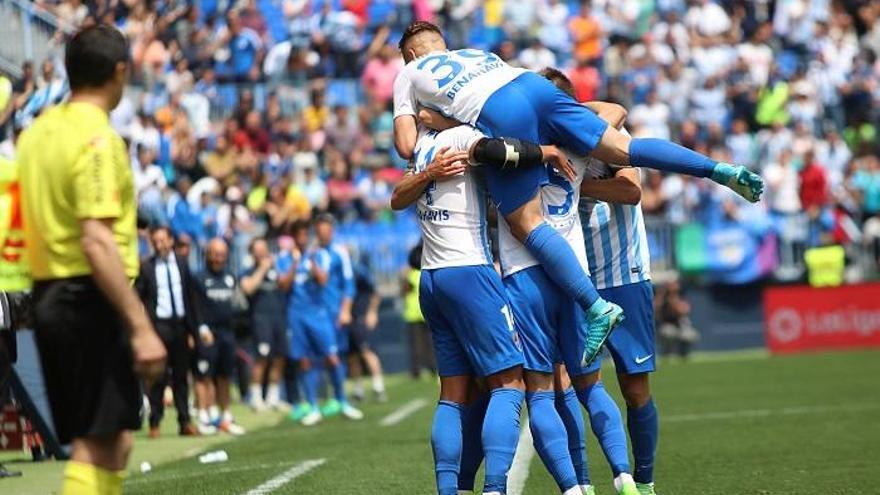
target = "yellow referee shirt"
x: 74, y: 166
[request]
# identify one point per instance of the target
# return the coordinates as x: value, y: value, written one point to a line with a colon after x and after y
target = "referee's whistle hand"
x: 149, y: 354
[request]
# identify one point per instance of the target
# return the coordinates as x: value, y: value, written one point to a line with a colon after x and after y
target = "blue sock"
x: 500, y: 436
x: 562, y: 266
x: 311, y: 380
x: 337, y: 376
x: 667, y: 156
x: 446, y: 443
x: 472, y: 442
x: 569, y: 410
x: 643, y: 432
x: 607, y: 425
x: 550, y: 438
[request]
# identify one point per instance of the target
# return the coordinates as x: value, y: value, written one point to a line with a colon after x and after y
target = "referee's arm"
x: 108, y: 272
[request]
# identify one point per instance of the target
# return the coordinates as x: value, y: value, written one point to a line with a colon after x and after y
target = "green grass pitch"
x: 742, y: 424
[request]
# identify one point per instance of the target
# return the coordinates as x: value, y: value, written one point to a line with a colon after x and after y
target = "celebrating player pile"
x: 476, y: 331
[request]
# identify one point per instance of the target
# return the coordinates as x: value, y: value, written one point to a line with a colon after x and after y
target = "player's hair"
x: 92, y: 54
x: 415, y: 28
x: 558, y: 78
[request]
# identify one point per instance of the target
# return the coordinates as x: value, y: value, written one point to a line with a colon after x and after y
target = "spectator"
x: 221, y: 162
x: 537, y: 56
x: 265, y: 287
x: 170, y: 295
x: 553, y: 34
x: 814, y: 184
x: 343, y: 131
x: 245, y: 49
x: 379, y: 74
x: 586, y: 34
x: 150, y: 184
x: 866, y: 181
x: 651, y: 118
x: 677, y: 334
x: 343, y: 34
x: 782, y: 183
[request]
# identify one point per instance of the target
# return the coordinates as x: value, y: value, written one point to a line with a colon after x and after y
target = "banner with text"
x: 800, y: 318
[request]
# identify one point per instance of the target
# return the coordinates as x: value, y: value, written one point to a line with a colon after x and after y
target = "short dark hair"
x: 559, y: 79
x: 92, y: 54
x: 417, y: 28
x: 298, y: 226
x: 325, y: 218
x: 161, y: 228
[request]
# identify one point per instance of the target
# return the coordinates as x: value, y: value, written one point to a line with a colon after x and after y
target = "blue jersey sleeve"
x: 348, y: 281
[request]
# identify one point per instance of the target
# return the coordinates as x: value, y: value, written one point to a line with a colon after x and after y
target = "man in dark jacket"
x: 170, y: 295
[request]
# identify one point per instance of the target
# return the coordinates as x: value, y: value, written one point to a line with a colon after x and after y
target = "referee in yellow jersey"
x: 80, y: 213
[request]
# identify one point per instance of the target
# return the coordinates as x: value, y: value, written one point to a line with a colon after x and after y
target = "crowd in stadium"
x: 246, y: 118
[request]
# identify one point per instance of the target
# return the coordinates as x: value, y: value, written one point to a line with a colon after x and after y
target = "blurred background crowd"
x: 247, y: 116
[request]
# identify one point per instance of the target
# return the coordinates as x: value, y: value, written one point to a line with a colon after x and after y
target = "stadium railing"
x: 29, y: 33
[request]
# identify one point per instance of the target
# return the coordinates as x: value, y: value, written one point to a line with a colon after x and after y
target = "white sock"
x: 214, y: 413
x: 584, y: 488
x: 491, y: 493
x: 378, y: 384
x: 575, y: 490
x: 227, y: 416
x: 358, y: 387
x: 256, y: 394
x: 273, y: 394
x: 203, y: 416
x: 621, y: 480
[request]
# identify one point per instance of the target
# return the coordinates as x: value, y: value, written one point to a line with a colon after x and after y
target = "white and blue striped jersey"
x: 560, y: 198
x: 456, y: 83
x: 452, y: 213
x: 617, y: 244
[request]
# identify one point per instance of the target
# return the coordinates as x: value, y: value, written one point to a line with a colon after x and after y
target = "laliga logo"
x: 785, y: 325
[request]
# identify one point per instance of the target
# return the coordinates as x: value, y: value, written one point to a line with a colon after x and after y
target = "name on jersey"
x: 433, y: 215
x: 491, y: 64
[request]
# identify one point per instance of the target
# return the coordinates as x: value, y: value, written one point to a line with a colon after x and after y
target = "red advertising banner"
x: 804, y: 318
x: 11, y: 432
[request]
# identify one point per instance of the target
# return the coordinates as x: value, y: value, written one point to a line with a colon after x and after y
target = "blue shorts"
x: 550, y: 323
x: 531, y: 108
x: 311, y: 334
x: 632, y: 344
x: 471, y: 324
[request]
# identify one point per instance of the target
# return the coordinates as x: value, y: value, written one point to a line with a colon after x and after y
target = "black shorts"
x: 217, y: 359
x: 87, y: 360
x: 270, y: 335
x: 358, y: 338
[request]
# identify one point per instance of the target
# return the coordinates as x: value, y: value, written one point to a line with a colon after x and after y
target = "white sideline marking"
x: 403, y: 412
x: 761, y: 413
x: 519, y: 470
x: 179, y: 474
x: 286, y: 477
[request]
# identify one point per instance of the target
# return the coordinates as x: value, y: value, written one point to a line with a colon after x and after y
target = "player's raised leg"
x: 659, y: 154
